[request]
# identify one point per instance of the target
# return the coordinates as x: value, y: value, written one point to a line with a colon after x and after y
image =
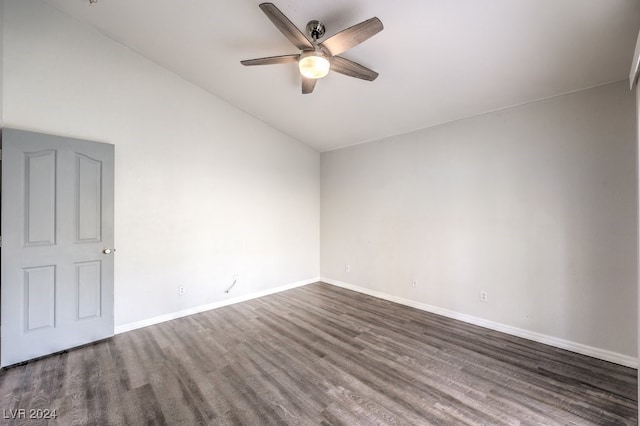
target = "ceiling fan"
x: 317, y: 58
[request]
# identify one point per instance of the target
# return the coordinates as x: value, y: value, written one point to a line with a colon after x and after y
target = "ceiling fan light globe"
x: 314, y: 66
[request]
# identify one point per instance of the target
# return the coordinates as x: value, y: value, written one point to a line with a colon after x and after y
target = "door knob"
x: 108, y: 251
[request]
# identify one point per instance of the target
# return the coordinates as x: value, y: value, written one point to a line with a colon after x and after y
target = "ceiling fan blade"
x: 286, y: 27
x: 270, y: 60
x: 308, y: 85
x: 352, y: 69
x: 352, y: 36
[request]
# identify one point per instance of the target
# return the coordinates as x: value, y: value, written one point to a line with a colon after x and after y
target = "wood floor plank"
x: 320, y: 355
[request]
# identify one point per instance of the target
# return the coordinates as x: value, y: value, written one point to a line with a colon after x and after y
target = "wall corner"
x: 635, y: 65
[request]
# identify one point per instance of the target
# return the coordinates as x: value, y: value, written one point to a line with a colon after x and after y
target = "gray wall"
x: 203, y: 190
x: 1, y: 57
x: 637, y: 92
x: 536, y: 205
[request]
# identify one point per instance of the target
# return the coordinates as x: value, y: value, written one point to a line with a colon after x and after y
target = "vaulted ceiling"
x: 438, y: 61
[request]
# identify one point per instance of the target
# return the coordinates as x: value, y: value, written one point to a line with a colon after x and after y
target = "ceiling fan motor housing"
x: 315, y: 29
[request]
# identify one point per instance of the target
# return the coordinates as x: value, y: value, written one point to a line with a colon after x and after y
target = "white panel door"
x: 57, y: 244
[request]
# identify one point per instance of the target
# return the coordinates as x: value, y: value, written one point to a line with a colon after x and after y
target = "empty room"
x: 319, y: 213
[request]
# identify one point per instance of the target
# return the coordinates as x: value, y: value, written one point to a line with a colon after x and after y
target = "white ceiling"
x: 438, y: 60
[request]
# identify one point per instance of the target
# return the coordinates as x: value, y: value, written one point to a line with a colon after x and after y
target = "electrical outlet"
x: 181, y: 290
x: 347, y: 268
x: 484, y: 296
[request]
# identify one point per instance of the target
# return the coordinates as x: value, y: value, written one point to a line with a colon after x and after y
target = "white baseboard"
x: 614, y: 357
x: 202, y: 308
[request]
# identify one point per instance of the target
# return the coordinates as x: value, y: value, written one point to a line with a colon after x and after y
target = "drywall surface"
x: 203, y: 191
x: 534, y: 205
x: 1, y: 56
x: 637, y: 92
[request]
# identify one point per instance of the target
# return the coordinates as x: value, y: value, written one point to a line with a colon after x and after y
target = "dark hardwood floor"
x: 320, y: 355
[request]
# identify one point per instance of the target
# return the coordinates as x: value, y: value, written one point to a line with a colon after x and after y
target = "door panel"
x: 89, y: 281
x: 57, y: 219
x: 39, y: 295
x: 88, y: 193
x: 40, y: 198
